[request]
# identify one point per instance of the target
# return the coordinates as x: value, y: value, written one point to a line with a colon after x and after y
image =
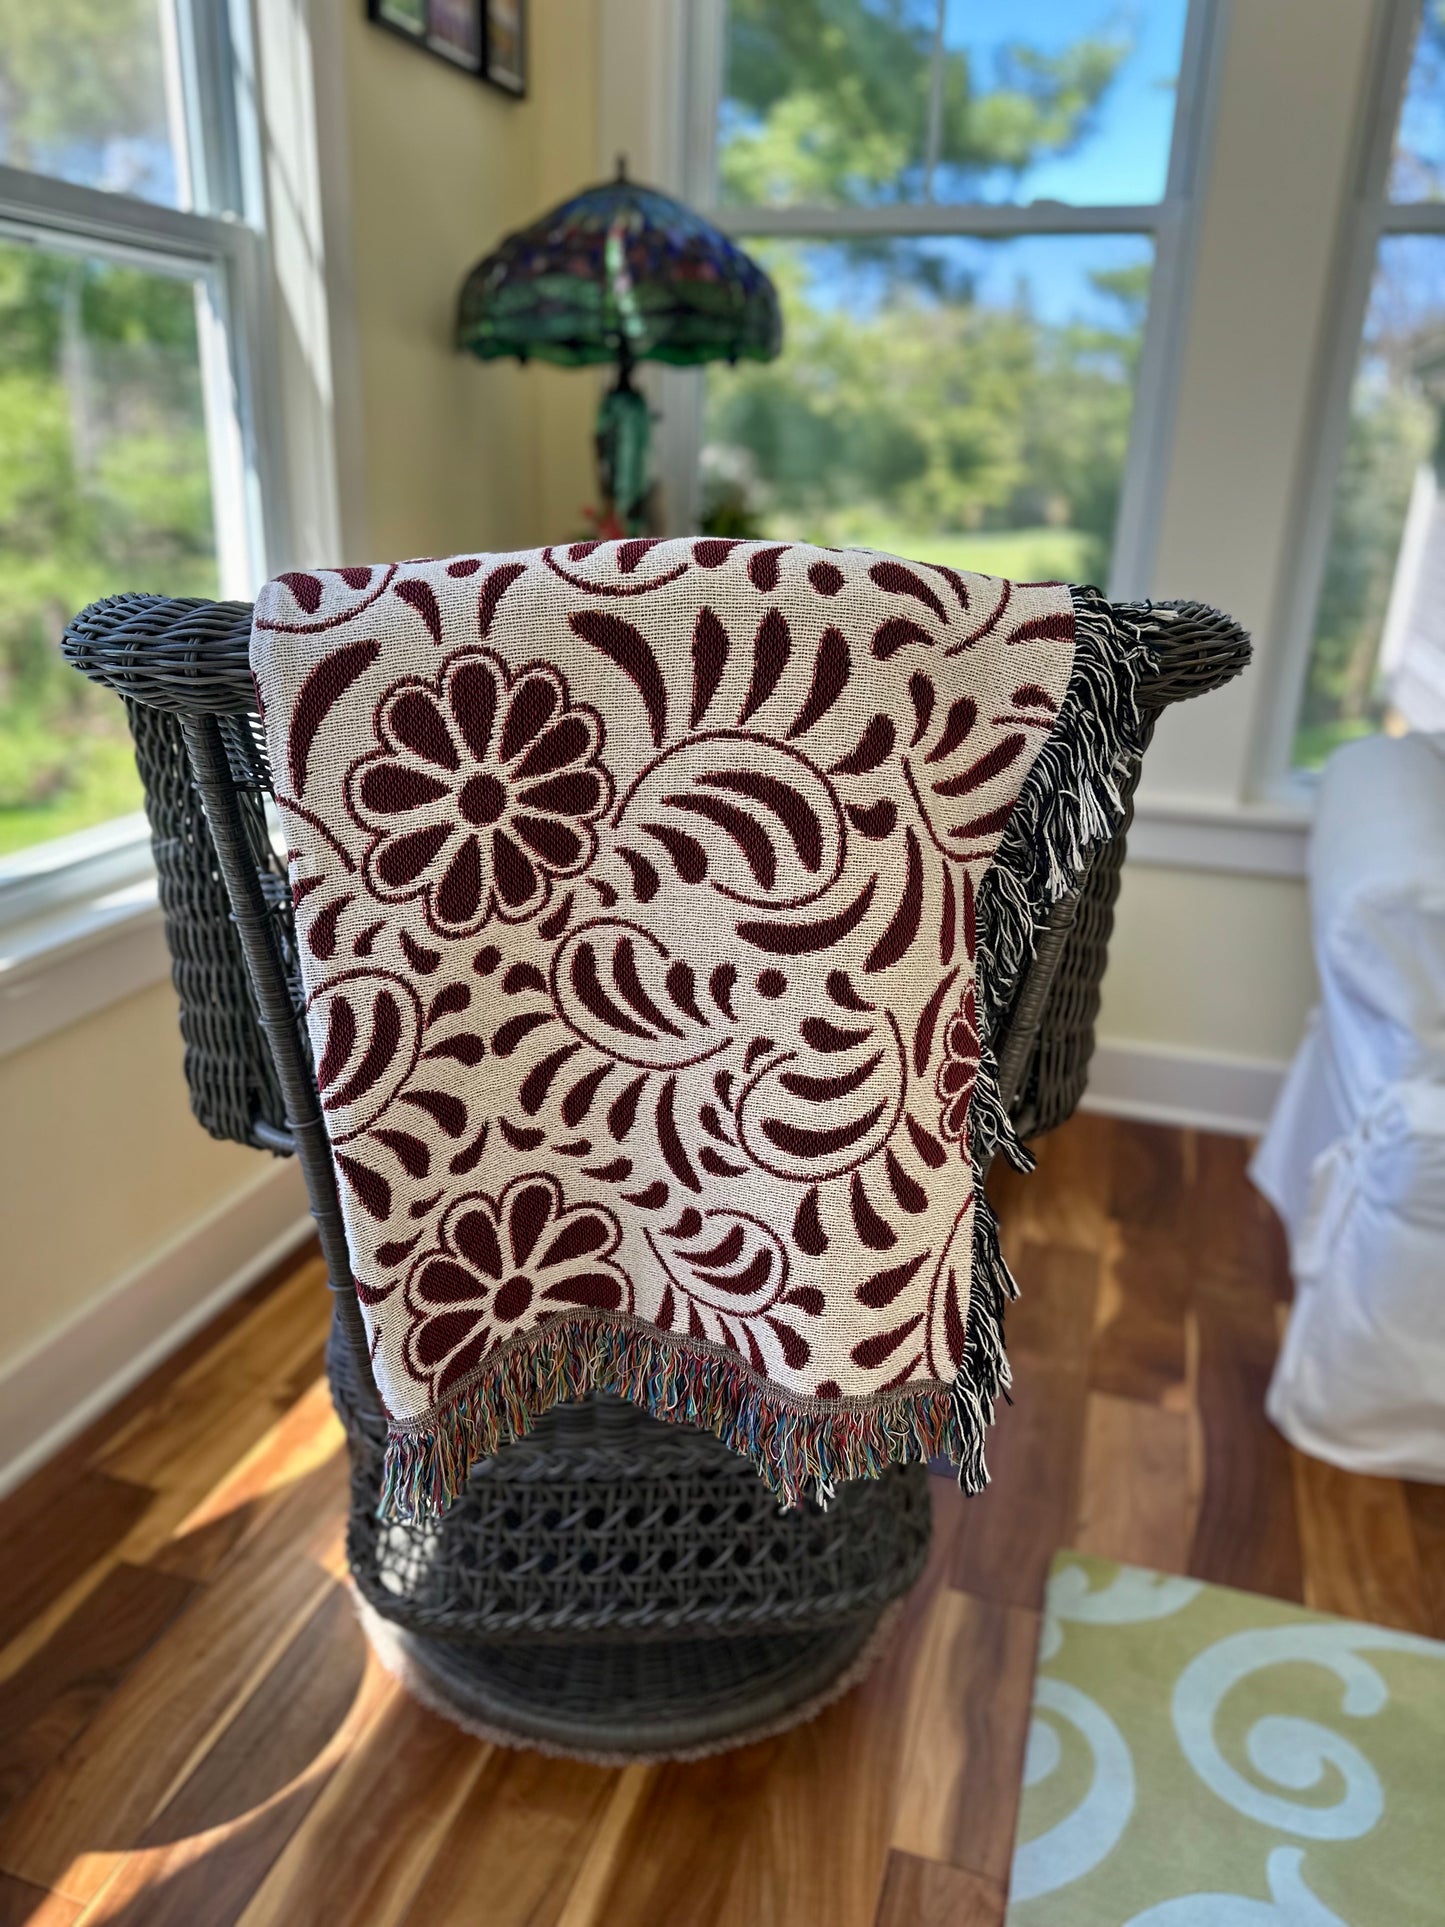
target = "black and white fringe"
x: 1074, y: 799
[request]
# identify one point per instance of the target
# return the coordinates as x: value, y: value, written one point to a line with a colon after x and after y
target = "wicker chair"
x: 610, y: 1585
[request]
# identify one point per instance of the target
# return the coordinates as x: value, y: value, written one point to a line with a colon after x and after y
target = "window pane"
x: 1418, y: 170
x: 955, y: 400
x: 1379, y: 643
x: 864, y: 101
x: 83, y: 95
x: 104, y: 486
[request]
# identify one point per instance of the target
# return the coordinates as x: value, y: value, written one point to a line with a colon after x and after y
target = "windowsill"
x: 78, y: 956
x: 1269, y: 838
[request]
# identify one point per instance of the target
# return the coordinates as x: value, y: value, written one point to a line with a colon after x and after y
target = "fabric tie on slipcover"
x: 656, y: 902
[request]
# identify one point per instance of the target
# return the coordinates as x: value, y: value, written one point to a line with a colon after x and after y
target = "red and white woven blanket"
x: 636, y: 888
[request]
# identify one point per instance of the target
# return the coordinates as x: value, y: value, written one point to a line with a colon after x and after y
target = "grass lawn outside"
x: 1024, y: 555
x: 52, y: 784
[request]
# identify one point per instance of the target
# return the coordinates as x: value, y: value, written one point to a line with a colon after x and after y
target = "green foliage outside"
x: 104, y: 486
x: 104, y: 483
x: 1395, y: 429
x: 831, y: 101
x: 905, y: 412
x: 931, y: 423
x: 82, y: 92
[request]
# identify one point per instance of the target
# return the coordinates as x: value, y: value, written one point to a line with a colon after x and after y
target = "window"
x: 125, y: 350
x: 1375, y: 631
x: 970, y: 211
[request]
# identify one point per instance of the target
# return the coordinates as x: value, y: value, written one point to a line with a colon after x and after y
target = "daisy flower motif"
x: 500, y: 1263
x: 485, y: 788
x: 959, y: 1068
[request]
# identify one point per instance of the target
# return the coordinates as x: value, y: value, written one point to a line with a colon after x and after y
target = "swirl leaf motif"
x: 1291, y: 1904
x: 1091, y: 1832
x: 1132, y: 1597
x: 755, y: 820
x: 1294, y: 1753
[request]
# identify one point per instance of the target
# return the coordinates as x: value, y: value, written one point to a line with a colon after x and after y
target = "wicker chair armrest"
x: 167, y: 652
x: 1194, y: 649
x: 1049, y: 1038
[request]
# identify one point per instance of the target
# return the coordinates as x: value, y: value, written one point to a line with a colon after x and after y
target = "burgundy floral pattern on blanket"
x: 636, y: 894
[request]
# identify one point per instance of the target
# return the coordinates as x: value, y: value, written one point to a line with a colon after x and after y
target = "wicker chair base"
x: 612, y: 1588
x: 642, y: 1700
x: 604, y: 1528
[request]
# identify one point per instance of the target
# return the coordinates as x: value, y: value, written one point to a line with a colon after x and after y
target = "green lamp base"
x: 624, y: 433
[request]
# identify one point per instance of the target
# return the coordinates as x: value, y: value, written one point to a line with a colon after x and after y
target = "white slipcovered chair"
x: 1354, y: 1157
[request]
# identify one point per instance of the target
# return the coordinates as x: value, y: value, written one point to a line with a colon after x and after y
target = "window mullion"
x: 983, y: 219
x: 115, y: 222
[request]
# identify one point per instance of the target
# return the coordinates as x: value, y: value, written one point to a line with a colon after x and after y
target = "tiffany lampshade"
x: 620, y: 273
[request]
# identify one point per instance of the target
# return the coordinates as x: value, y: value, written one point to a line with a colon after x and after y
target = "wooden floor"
x: 192, y: 1730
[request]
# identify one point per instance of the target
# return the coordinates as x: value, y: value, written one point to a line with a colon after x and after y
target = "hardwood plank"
x: 1139, y: 1348
x: 685, y: 1828
x: 177, y: 1535
x: 301, y: 1441
x: 362, y: 1852
x: 1058, y: 1297
x: 97, y: 1800
x: 1134, y: 1499
x: 1231, y: 1221
x: 53, y: 1698
x: 1147, y: 1177
x: 1011, y: 1531
x: 1360, y: 1556
x: 22, y: 1905
x: 232, y: 1394
x: 590, y: 1899
x: 924, y: 1893
x: 520, y: 1838
x: 1247, y: 1533
x: 207, y: 1851
x: 39, y: 1564
x: 817, y: 1847
x: 1426, y: 1505
x: 51, y: 1484
x: 1066, y: 1200
x: 958, y: 1801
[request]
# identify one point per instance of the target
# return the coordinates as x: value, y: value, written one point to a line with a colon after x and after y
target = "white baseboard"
x: 56, y: 1389
x: 1203, y: 1089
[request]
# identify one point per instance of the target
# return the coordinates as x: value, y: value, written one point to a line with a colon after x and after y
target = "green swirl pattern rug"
x: 1200, y: 1757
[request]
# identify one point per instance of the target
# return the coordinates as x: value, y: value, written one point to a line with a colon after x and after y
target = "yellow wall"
x: 461, y: 454
x: 1205, y: 962
x: 101, y: 1163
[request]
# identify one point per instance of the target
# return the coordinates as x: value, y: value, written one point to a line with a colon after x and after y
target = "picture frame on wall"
x: 504, y: 44
x: 484, y: 38
x: 454, y: 30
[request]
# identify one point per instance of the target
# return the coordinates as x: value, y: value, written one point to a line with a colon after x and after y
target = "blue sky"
x: 1126, y: 158
x: 1123, y: 160
x: 1051, y: 271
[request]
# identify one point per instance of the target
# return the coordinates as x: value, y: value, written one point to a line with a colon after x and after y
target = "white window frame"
x: 79, y: 919
x: 1369, y: 215
x: 1169, y: 223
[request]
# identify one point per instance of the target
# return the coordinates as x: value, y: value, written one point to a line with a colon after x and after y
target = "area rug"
x: 1201, y: 1757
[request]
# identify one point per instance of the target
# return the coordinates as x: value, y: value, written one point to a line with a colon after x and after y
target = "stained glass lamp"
x: 620, y: 273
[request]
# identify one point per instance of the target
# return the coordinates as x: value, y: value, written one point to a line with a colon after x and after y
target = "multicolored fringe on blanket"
x: 658, y: 906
